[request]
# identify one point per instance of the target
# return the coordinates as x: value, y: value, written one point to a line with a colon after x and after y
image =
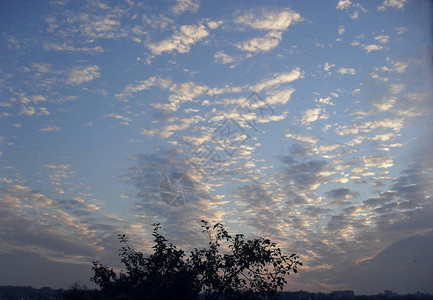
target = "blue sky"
x: 315, y: 115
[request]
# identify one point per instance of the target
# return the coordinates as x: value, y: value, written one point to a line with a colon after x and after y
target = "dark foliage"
x: 250, y: 269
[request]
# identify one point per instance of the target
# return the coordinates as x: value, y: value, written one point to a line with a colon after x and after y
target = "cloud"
x: 186, y: 5
x: 303, y: 138
x: 342, y: 194
x: 378, y: 161
x: 312, y: 115
x: 385, y: 103
x: 27, y: 110
x: 50, y: 128
x: 270, y: 20
x: 181, y: 41
x: 81, y: 75
x: 372, y: 47
x: 383, y: 39
x: 223, y: 58
x: 344, y: 4
x: 279, y: 78
x: 410, y: 255
x: 94, y: 26
x: 280, y: 96
x: 305, y: 176
x: 186, y: 91
x: 397, y: 88
x: 213, y: 24
x: 180, y: 223
x: 142, y: 85
x: 344, y: 71
x: 261, y: 44
x: 328, y: 66
x: 369, y: 126
x: 397, y: 4
x: 123, y: 120
x: 67, y: 47
x: 275, y: 22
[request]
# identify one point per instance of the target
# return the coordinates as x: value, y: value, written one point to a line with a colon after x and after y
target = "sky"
x: 306, y: 122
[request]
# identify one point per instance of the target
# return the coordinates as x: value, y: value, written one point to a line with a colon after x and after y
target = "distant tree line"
x: 77, y: 291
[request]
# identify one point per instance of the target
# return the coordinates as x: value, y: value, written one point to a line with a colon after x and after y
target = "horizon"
x: 297, y: 291
x: 305, y: 122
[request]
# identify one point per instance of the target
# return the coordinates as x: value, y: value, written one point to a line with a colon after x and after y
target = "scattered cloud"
x: 50, y: 128
x: 261, y: 44
x: 397, y: 4
x: 344, y: 4
x: 81, y: 75
x: 270, y: 20
x: 186, y: 5
x: 223, y: 58
x: 279, y: 79
x: 181, y: 41
x: 383, y: 39
x: 275, y: 22
x: 312, y: 115
x: 344, y: 71
x: 372, y: 47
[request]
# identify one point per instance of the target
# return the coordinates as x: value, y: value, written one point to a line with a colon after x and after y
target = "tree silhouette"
x: 247, y: 269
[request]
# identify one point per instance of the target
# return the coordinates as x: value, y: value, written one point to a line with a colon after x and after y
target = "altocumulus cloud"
x: 80, y: 75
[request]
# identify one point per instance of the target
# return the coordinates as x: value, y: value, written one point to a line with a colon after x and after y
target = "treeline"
x: 80, y: 292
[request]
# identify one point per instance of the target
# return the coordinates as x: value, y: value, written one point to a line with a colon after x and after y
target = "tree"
x: 248, y: 269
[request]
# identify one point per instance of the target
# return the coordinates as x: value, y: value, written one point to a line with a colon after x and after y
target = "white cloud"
x: 303, y: 138
x: 372, y: 47
x: 214, y: 24
x: 397, y: 4
x: 378, y: 161
x: 344, y: 71
x: 27, y: 110
x: 385, y: 104
x: 400, y: 67
x: 312, y: 115
x: 275, y: 22
x: 341, y: 30
x: 83, y: 74
x: 355, y: 15
x: 42, y: 68
x: 261, y: 44
x: 49, y: 128
x: 382, y: 39
x: 270, y: 20
x: 181, y: 41
x: 67, y: 47
x: 124, y: 120
x: 366, y: 127
x: 186, y: 5
x: 344, y: 4
x: 327, y: 66
x: 222, y: 58
x: 278, y: 79
x: 330, y: 147
x: 400, y: 30
x: 60, y: 166
x: 396, y: 88
x: 280, y: 96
